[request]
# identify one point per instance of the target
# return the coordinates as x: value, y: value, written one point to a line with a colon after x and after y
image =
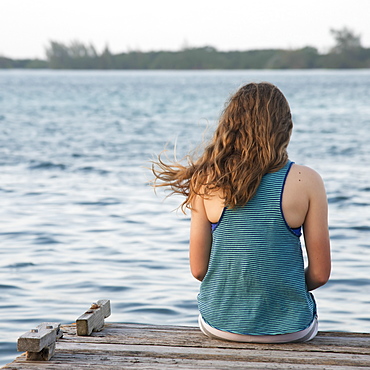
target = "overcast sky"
x: 27, y: 26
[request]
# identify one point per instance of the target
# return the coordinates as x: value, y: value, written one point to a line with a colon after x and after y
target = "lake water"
x: 79, y: 222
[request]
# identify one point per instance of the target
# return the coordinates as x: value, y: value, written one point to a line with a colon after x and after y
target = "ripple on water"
x: 349, y: 282
x: 33, y: 194
x: 47, y: 166
x: 361, y: 228
x: 113, y: 288
x: 45, y: 240
x: 9, y: 287
x: 19, y: 265
x: 103, y: 202
x: 6, y: 190
x: 154, y: 266
x: 338, y: 199
x: 154, y: 310
x: 91, y: 169
x: 73, y: 285
x: 341, y: 237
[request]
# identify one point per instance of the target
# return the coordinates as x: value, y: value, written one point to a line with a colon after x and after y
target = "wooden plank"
x: 99, y: 362
x: 93, y: 318
x: 37, y: 339
x: 44, y: 355
x: 192, y: 337
x: 219, y: 354
x: 332, y: 349
x: 121, y: 346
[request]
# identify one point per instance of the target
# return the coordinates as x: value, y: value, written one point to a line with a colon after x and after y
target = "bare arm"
x: 316, y: 234
x: 200, y: 240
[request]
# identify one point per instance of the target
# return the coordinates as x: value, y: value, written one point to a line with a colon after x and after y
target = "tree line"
x: 347, y: 52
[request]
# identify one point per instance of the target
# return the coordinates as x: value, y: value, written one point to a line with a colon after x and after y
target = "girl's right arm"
x: 316, y: 233
x: 200, y: 239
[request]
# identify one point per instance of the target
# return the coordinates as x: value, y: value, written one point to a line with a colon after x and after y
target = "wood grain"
x: 121, y: 346
x: 42, y: 336
x: 93, y: 318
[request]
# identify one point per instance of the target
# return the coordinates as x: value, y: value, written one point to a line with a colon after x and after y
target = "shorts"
x: 299, y: 336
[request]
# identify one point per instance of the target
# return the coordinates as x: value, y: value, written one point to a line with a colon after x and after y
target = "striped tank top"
x: 255, y: 282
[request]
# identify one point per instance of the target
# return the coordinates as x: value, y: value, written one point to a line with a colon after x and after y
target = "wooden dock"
x: 133, y: 346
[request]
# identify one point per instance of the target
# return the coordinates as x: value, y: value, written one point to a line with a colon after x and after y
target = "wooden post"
x: 39, y: 343
x: 93, y: 318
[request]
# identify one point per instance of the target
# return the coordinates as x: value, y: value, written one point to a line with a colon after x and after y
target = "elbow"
x: 324, y: 276
x: 322, y: 279
x: 199, y: 274
x: 317, y: 279
x: 198, y: 268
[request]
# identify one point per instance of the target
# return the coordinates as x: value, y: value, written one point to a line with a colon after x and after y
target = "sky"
x: 27, y: 27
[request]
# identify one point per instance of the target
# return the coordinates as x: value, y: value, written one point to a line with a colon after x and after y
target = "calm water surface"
x: 80, y: 223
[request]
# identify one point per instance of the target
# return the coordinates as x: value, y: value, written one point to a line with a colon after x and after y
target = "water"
x: 80, y: 223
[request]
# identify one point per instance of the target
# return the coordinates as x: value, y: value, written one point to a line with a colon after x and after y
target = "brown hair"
x: 250, y: 140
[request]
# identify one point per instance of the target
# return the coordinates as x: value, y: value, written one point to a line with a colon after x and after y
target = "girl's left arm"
x: 200, y: 239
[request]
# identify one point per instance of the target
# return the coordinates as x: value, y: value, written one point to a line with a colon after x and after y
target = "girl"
x: 248, y: 204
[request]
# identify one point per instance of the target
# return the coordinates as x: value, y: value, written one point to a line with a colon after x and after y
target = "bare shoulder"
x: 306, y: 175
x: 307, y: 181
x: 214, y: 205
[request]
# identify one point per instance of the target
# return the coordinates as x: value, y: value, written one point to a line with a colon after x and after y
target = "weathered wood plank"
x: 93, y: 318
x: 39, y: 343
x: 101, y: 362
x: 220, y: 354
x: 121, y: 346
x: 192, y: 337
x: 44, y: 355
x: 347, y: 350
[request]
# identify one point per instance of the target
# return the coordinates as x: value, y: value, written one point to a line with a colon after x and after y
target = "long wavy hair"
x: 251, y: 140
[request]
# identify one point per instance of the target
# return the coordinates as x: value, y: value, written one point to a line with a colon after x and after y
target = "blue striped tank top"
x: 255, y: 282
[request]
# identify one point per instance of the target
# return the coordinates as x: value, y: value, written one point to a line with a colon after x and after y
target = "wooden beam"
x: 93, y: 318
x: 39, y: 343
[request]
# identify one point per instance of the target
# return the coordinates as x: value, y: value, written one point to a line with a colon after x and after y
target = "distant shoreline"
x: 347, y: 54
x: 366, y: 69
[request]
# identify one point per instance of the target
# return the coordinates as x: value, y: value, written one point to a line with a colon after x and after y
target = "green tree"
x: 296, y: 59
x: 76, y: 55
x: 346, y: 40
x: 106, y: 59
x: 347, y: 52
x: 58, y: 56
x: 6, y: 62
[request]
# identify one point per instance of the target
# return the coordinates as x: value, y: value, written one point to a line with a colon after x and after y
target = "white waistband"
x: 299, y: 336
